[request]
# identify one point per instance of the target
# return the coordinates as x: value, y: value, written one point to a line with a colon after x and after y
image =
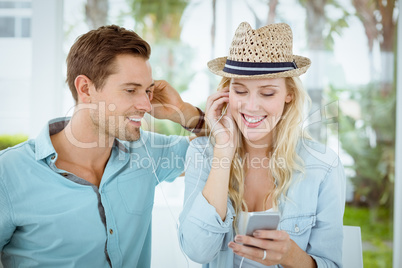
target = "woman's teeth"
x: 253, y: 119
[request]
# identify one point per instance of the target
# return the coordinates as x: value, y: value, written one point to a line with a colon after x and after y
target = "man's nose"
x: 143, y: 103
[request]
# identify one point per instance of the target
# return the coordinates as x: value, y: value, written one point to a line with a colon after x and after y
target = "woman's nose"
x: 252, y: 103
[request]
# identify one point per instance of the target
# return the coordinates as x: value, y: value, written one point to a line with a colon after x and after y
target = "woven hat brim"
x: 216, y: 66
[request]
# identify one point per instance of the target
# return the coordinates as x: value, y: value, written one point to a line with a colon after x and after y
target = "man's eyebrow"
x: 136, y: 84
x: 132, y: 84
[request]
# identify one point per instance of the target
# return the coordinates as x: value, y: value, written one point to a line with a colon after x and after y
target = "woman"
x: 259, y: 160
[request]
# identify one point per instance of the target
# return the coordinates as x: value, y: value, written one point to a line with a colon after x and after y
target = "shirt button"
x: 110, y: 231
x: 297, y: 229
x: 53, y: 157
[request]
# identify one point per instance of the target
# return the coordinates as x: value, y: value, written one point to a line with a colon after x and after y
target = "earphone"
x: 164, y: 196
x: 209, y: 139
x: 199, y: 177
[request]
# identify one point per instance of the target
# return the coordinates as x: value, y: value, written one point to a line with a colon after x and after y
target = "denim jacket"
x: 311, y: 213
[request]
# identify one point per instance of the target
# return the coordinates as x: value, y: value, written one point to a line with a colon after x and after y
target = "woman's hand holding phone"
x: 263, y: 242
x: 276, y: 244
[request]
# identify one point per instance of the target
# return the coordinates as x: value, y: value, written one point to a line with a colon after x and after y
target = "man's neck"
x: 81, y: 150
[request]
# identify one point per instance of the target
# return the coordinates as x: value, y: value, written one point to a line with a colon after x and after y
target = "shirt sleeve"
x: 168, y: 154
x: 6, y: 223
x: 202, y: 232
x: 326, y: 240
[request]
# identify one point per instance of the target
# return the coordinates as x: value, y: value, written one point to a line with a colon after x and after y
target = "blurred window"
x: 7, y: 27
x: 26, y: 27
x: 15, y: 4
x: 15, y: 19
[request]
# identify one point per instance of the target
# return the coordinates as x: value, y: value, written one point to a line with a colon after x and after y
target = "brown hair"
x: 94, y: 53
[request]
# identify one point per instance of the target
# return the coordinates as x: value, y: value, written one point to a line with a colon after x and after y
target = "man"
x: 78, y: 195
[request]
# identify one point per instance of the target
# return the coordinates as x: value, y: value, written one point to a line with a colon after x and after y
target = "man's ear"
x: 82, y: 85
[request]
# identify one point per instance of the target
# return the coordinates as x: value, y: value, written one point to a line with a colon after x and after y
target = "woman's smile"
x: 252, y: 121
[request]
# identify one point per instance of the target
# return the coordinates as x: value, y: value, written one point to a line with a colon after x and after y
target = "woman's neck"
x: 252, y: 149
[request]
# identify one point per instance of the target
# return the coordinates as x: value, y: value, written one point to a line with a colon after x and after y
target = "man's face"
x: 124, y: 99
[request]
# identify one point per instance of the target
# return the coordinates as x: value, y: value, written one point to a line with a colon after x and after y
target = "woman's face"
x: 257, y: 106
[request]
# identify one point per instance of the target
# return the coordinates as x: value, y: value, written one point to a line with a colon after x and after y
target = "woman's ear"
x: 82, y: 85
x: 289, y: 97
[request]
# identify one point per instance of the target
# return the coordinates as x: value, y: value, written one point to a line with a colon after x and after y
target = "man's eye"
x: 150, y: 94
x: 130, y: 90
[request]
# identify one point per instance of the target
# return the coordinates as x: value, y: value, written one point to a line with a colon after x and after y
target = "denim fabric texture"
x: 311, y: 213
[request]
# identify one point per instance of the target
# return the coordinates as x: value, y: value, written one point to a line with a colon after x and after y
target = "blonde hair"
x: 286, y: 135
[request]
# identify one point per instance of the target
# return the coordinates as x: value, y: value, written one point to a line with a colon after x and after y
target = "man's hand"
x: 167, y: 103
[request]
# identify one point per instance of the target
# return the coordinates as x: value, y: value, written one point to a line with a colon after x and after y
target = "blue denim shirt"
x: 52, y: 218
x: 312, y: 212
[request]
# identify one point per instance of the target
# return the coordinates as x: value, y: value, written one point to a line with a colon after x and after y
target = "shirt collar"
x: 43, y: 143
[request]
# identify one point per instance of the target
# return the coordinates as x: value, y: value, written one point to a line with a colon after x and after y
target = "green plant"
x: 377, y: 259
x: 381, y: 229
x: 367, y: 134
x: 11, y: 140
x: 376, y: 236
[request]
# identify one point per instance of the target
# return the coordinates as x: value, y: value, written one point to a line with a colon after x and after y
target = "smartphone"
x: 262, y: 221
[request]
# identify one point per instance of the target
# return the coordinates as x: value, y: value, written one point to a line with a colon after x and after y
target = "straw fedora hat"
x: 262, y: 53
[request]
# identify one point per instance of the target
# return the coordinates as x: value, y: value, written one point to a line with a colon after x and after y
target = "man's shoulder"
x: 17, y: 151
x: 148, y: 134
x: 156, y: 140
x: 17, y: 155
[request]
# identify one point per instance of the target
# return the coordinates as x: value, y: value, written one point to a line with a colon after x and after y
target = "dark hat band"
x: 257, y: 68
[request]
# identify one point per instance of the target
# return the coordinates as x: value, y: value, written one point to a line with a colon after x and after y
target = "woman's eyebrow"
x: 238, y: 84
x: 269, y: 86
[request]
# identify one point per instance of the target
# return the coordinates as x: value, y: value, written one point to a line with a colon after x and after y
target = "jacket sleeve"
x: 325, y: 244
x: 202, y: 232
x: 7, y: 226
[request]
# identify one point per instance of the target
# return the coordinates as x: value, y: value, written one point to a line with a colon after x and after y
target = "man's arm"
x: 167, y: 104
x: 7, y: 227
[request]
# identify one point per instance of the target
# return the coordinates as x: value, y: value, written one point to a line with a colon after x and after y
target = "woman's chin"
x: 259, y: 139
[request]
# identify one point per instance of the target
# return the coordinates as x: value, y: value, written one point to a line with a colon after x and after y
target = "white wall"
x: 47, y: 60
x: 15, y: 86
x: 31, y: 79
x: 166, y: 251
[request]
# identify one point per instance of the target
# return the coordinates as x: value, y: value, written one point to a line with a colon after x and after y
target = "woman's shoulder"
x: 315, y: 153
x: 201, y: 145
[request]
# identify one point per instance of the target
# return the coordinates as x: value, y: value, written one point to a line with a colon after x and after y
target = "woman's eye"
x: 240, y: 92
x: 130, y: 90
x: 268, y: 95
